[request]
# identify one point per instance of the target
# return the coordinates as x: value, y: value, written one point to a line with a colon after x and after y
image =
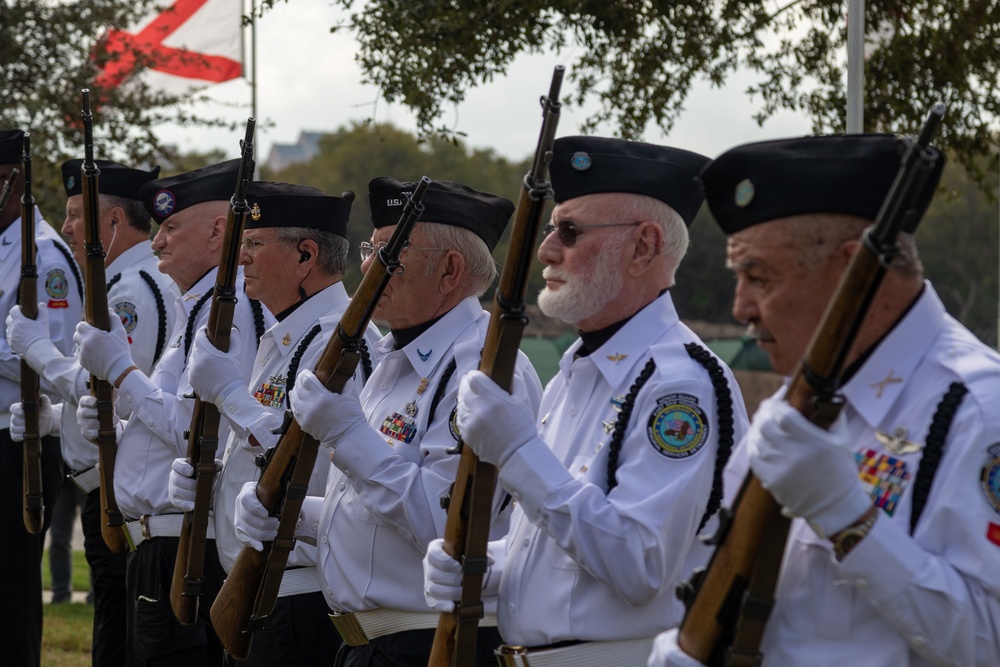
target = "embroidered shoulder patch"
x: 677, y: 427
x: 989, y: 477
x: 453, y: 424
x: 128, y: 315
x: 57, y: 287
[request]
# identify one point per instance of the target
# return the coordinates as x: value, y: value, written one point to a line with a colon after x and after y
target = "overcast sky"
x: 309, y: 81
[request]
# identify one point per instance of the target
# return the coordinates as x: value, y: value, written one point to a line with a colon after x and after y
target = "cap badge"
x: 581, y: 161
x: 744, y: 193
x: 255, y: 212
x: 164, y: 202
x: 70, y: 182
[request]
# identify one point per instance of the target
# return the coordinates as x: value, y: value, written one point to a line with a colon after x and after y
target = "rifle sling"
x: 474, y: 566
x: 757, y: 599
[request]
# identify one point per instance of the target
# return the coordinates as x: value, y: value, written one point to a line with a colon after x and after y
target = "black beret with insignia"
x: 287, y: 205
x: 11, y: 146
x: 445, y: 202
x: 593, y: 165
x: 115, y: 179
x: 846, y: 173
x: 164, y: 197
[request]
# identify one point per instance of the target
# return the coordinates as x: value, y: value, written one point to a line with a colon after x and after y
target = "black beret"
x: 445, y: 202
x: 164, y: 197
x: 846, y: 173
x: 115, y: 178
x: 287, y: 205
x: 592, y: 165
x: 11, y: 146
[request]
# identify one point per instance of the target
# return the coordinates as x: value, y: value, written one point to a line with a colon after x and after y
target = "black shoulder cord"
x: 73, y: 267
x: 724, y: 415
x: 258, y: 318
x: 293, y: 365
x: 366, y: 359
x: 113, y: 282
x: 161, y: 312
x: 934, y: 449
x: 192, y: 318
x: 442, y: 386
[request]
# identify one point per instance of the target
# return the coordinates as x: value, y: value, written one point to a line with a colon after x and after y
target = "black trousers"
x: 21, y: 574
x: 156, y: 638
x: 299, y: 633
x: 413, y: 648
x: 108, y: 577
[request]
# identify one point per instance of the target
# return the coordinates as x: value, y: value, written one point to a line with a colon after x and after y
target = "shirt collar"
x: 428, y: 349
x: 130, y: 257
x: 300, y: 320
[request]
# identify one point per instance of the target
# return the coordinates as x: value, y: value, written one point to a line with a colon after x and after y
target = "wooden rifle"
x: 729, y: 602
x: 470, y: 503
x: 96, y: 314
x: 249, y: 592
x: 203, y: 435
x: 30, y: 396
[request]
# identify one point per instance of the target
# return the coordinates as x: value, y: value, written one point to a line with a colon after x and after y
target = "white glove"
x: 324, y: 415
x: 491, y: 421
x: 254, y: 525
x: 23, y: 332
x: 182, y: 483
x: 86, y: 418
x: 812, y: 473
x: 442, y: 578
x: 103, y: 353
x: 666, y: 652
x: 214, y: 374
x: 46, y: 418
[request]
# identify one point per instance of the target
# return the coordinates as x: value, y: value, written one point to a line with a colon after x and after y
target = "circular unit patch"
x: 989, y: 478
x: 678, y: 427
x: 453, y: 424
x: 56, y: 285
x: 126, y: 313
x: 164, y: 202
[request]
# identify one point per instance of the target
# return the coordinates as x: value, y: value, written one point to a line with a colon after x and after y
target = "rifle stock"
x: 752, y: 543
x: 28, y: 296
x: 96, y: 314
x: 248, y: 594
x: 470, y: 503
x: 203, y: 435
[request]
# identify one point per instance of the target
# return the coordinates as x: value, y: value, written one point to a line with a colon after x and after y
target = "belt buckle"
x: 512, y: 656
x: 145, y: 526
x: 349, y: 628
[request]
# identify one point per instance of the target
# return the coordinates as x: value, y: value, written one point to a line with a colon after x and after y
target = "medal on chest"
x: 271, y: 393
x: 884, y: 475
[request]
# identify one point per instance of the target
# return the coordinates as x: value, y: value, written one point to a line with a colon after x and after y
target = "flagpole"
x: 856, y: 67
x: 253, y: 68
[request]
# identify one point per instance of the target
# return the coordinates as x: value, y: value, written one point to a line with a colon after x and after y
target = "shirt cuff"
x: 531, y: 474
x: 135, y: 388
x: 247, y: 416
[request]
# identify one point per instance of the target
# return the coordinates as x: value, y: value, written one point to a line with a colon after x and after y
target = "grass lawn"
x: 67, y: 628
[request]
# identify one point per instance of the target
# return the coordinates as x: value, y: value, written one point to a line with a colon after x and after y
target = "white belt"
x: 624, y: 653
x: 160, y: 525
x: 88, y: 480
x: 298, y: 581
x: 369, y: 625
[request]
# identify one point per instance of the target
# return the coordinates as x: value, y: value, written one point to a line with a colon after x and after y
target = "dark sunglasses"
x: 568, y: 231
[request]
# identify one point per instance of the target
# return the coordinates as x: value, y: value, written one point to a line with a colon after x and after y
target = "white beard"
x: 581, y: 296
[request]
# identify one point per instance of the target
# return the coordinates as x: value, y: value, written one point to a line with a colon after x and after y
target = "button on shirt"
x: 585, y: 564
x: 269, y: 387
x: 898, y: 600
x: 382, y: 506
x: 135, y: 302
x: 57, y: 288
x: 154, y: 435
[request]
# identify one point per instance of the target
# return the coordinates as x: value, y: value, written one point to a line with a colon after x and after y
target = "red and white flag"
x: 186, y: 46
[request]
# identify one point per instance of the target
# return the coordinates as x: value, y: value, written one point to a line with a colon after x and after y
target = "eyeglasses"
x: 568, y: 231
x: 253, y: 245
x: 368, y: 249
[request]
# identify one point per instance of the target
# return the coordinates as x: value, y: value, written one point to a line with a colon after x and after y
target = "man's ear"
x: 452, y: 267
x: 218, y: 233
x: 647, y: 238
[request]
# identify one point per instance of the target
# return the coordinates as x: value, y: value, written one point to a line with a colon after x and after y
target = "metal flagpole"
x: 856, y: 66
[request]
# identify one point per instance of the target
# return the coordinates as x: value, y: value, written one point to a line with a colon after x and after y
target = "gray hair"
x: 838, y: 229
x: 480, y: 268
x: 675, y: 231
x: 135, y: 213
x: 333, y: 248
